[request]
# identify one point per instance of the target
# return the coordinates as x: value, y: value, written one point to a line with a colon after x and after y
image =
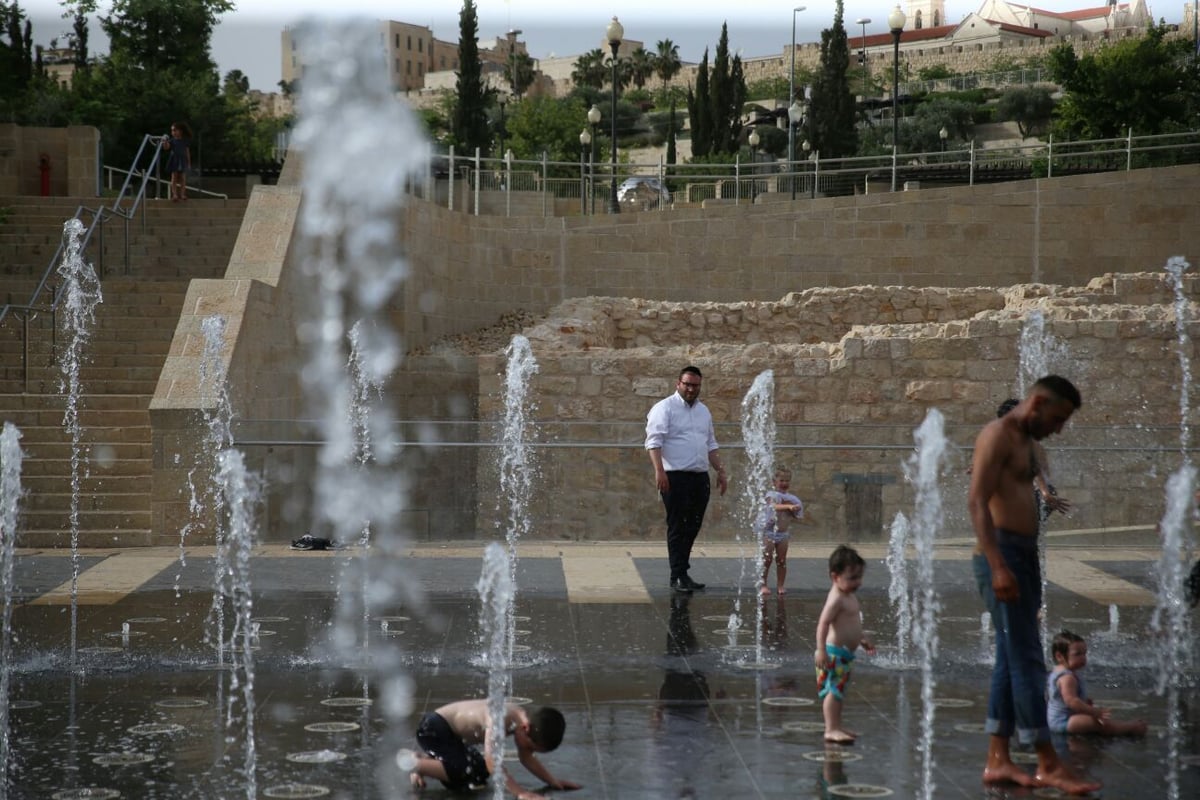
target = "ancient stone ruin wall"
x: 848, y: 394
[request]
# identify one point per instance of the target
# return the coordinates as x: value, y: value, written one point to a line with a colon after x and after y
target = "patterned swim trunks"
x: 834, y: 676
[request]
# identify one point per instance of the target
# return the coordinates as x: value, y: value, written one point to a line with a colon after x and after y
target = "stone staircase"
x: 129, y: 342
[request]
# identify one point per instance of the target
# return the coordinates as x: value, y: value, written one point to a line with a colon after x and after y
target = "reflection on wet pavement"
x: 657, y: 705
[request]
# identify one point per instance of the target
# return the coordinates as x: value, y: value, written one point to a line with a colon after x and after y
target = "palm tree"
x: 642, y: 64
x: 590, y: 69
x: 666, y: 61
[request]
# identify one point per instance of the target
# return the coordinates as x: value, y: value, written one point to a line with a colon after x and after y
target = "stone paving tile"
x: 656, y: 701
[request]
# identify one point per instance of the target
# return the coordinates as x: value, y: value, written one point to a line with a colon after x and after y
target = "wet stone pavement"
x: 658, y: 699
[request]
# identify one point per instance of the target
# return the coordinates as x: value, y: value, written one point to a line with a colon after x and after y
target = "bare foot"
x: 1008, y: 773
x: 764, y: 591
x: 1066, y: 781
x: 781, y: 591
x: 839, y: 737
x: 416, y: 780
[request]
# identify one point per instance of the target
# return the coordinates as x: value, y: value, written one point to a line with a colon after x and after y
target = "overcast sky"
x: 248, y: 38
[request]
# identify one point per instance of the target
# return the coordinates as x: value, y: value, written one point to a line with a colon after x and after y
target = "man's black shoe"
x: 680, y: 586
x: 691, y: 584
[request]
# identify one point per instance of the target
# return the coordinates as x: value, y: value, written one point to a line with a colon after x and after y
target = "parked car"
x: 643, y: 192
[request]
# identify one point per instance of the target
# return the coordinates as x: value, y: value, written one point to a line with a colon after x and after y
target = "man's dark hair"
x: 546, y: 728
x: 843, y: 558
x: 689, y: 368
x: 1007, y: 406
x: 1062, y: 643
x: 1061, y: 388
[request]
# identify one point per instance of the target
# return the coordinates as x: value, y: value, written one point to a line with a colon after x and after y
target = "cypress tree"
x: 831, y: 126
x: 698, y: 113
x: 721, y: 98
x: 470, y: 126
x: 737, y: 82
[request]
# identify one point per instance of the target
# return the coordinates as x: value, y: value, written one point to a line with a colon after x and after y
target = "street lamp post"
x: 896, y: 21
x: 792, y: 98
x: 585, y: 141
x: 754, y: 142
x: 806, y: 147
x: 502, y: 99
x: 512, y: 57
x: 614, y: 32
x: 943, y: 134
x: 795, y: 117
x: 593, y: 117
x: 862, y: 53
x: 508, y: 159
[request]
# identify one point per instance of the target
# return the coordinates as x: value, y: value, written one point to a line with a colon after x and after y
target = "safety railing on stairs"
x: 125, y: 207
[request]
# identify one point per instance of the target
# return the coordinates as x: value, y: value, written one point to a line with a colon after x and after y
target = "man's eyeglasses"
x: 689, y: 385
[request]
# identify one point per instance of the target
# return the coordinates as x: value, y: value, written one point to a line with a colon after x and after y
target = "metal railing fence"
x: 459, y: 182
x: 124, y: 207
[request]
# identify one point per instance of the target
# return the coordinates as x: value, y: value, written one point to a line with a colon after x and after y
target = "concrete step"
x: 61, y: 539
x: 33, y: 422
x: 115, y: 448
x: 90, y: 402
x: 36, y: 467
x: 89, y: 520
x: 46, y: 485
x: 49, y: 504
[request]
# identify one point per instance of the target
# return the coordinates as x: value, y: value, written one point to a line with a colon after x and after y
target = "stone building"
x: 412, y: 53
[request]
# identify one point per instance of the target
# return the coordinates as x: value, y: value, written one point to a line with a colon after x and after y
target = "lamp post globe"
x: 593, y: 118
x: 614, y: 33
x: 795, y: 117
x: 585, y: 141
x: 896, y: 21
x: 754, y: 141
x: 943, y: 134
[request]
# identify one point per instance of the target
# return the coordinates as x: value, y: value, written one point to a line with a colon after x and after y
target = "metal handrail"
x: 29, y: 310
x: 159, y: 183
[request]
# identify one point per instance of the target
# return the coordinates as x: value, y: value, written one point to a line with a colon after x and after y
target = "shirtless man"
x: 1005, y: 517
x: 449, y: 735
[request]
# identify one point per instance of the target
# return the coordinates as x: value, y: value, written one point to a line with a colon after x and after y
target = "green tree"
x: 1031, y: 107
x: 470, y: 126
x: 159, y: 69
x: 160, y: 35
x: 671, y: 154
x: 590, y: 70
x: 16, y: 51
x: 831, y: 117
x: 79, y: 41
x: 666, y: 61
x: 921, y: 133
x: 935, y: 72
x: 641, y: 67
x: 236, y: 82
x: 698, y: 114
x: 1148, y: 84
x: 519, y: 71
x: 546, y: 124
x: 723, y: 108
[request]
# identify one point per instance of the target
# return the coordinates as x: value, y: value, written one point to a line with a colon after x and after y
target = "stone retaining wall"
x: 847, y: 402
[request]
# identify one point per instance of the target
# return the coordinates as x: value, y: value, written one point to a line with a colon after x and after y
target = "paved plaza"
x: 656, y: 691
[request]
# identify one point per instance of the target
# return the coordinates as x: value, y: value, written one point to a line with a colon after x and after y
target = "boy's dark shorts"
x: 465, y: 766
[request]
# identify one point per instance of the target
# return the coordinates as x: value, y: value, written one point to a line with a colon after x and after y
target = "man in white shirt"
x: 682, y: 447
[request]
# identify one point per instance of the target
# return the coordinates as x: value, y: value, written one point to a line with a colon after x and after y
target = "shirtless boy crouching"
x: 449, y: 735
